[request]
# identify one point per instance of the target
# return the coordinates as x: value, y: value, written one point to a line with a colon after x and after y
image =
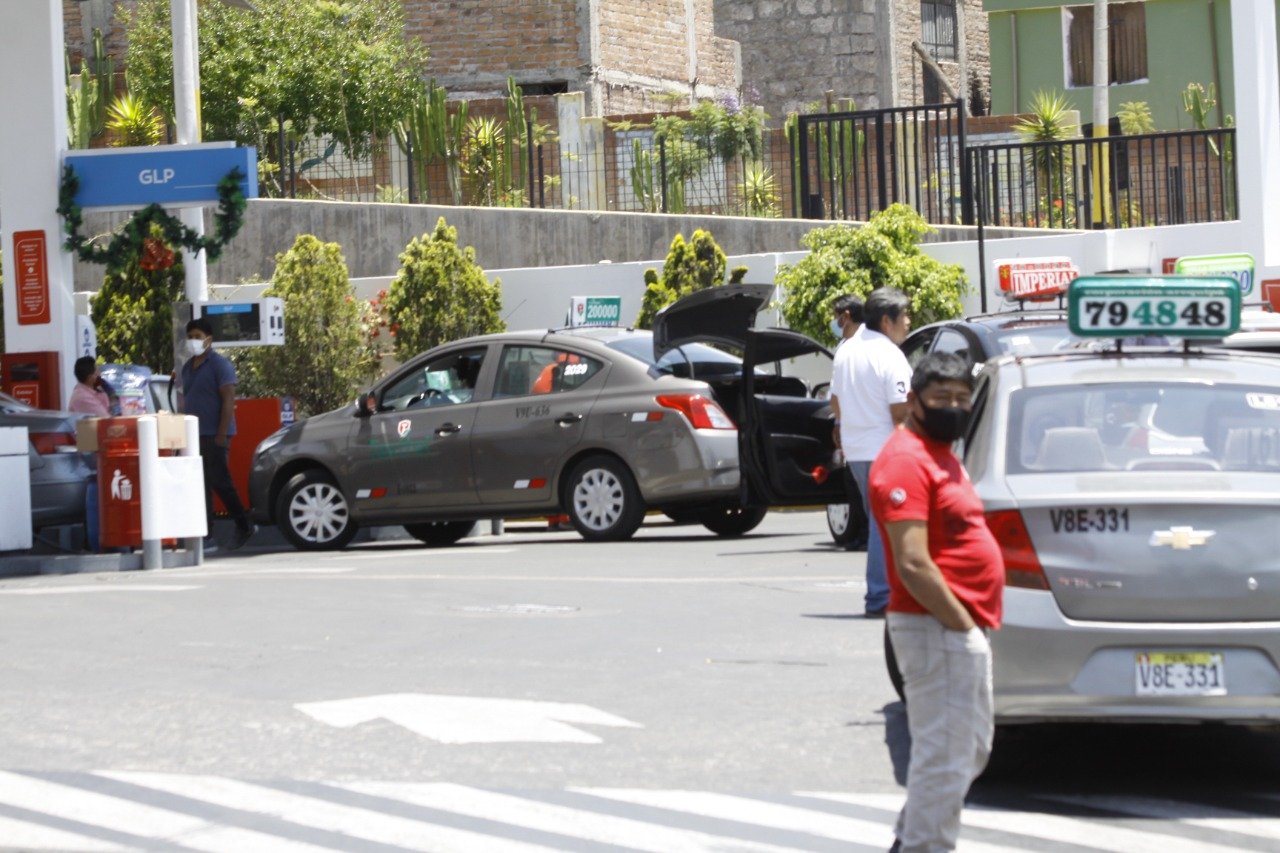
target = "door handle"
x: 568, y: 420
x: 449, y: 429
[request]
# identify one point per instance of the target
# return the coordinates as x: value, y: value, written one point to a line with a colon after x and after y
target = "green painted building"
x: 1157, y: 47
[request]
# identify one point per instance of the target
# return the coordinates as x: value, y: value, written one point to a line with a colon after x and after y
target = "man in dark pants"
x: 209, y: 393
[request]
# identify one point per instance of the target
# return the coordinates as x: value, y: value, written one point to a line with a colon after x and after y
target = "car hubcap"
x: 318, y: 513
x: 838, y: 518
x: 598, y: 500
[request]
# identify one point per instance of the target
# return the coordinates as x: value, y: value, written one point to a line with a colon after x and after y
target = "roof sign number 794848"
x: 1181, y: 306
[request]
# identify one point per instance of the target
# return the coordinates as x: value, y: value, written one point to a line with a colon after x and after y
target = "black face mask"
x: 944, y: 423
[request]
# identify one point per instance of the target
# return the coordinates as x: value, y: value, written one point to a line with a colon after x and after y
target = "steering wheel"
x: 424, y: 396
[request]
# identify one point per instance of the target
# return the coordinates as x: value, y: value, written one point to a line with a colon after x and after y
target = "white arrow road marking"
x: 1097, y: 835
x: 99, y: 587
x: 469, y: 719
x: 356, y: 822
x: 137, y: 819
x: 561, y: 820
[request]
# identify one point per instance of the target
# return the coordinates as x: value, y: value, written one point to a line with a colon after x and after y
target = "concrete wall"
x: 372, y: 236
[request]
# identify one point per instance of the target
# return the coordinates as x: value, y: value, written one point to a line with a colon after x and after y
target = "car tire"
x: 602, y: 500
x: 891, y: 664
x: 439, y: 534
x: 313, y: 514
x: 733, y: 520
x: 846, y: 532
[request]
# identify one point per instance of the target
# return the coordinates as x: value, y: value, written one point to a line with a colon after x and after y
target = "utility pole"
x: 1101, y: 110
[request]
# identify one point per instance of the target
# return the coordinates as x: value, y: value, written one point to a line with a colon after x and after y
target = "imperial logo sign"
x: 1035, y: 278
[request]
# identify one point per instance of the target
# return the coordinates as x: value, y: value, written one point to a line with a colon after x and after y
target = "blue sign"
x: 171, y: 175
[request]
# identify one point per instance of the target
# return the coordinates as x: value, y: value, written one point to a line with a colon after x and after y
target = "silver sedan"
x: 1134, y: 496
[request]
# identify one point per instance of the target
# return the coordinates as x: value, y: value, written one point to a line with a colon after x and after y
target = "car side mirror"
x: 366, y: 405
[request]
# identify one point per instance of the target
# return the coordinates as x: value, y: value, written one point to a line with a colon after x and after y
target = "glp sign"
x: 170, y: 175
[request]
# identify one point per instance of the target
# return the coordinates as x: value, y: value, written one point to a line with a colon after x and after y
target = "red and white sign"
x: 1035, y: 278
x: 1271, y: 293
x: 32, y: 271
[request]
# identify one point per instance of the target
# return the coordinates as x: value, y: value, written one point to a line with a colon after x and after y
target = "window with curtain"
x: 1126, y: 43
x: 938, y: 32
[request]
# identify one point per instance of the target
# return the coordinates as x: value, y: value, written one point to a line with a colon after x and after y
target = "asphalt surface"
x: 544, y: 673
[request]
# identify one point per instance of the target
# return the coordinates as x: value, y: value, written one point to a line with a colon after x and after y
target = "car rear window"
x: 1145, y: 427
x: 1035, y: 339
x: 697, y: 361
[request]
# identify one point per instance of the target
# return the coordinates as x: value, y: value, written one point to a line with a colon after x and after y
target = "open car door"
x: 786, y: 451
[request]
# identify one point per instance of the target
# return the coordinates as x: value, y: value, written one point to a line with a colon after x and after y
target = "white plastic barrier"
x: 171, y: 490
x: 15, y: 497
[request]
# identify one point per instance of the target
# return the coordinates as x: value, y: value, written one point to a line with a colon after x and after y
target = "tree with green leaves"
x: 440, y: 294
x: 885, y: 252
x: 690, y: 266
x: 133, y: 312
x: 337, y: 68
x: 325, y: 356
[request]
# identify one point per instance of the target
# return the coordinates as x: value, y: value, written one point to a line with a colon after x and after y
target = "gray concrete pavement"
x: 678, y: 691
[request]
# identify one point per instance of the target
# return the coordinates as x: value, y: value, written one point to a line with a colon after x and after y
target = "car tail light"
x: 819, y: 474
x: 1021, y: 565
x: 53, y: 442
x: 701, y: 412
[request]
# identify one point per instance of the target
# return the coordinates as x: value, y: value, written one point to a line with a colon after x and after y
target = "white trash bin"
x: 15, y: 497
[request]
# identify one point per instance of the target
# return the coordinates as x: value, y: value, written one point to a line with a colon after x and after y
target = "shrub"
x: 133, y: 313
x: 440, y: 294
x: 885, y: 252
x: 690, y: 266
x: 325, y: 356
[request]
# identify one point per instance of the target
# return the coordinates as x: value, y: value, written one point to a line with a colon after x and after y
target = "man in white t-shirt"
x: 870, y: 379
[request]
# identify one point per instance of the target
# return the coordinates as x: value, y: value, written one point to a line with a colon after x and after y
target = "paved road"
x: 531, y: 691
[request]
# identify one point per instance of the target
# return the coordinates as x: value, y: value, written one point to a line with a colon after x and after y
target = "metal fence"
x: 834, y: 166
x: 855, y: 163
x: 1124, y: 182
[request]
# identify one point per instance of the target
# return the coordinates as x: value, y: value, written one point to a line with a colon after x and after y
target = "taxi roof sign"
x: 1133, y: 306
x: 1237, y: 265
x: 1035, y: 278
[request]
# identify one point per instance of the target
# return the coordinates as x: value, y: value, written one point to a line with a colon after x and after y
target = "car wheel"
x: 846, y: 532
x: 313, y: 514
x: 891, y: 664
x: 603, y: 501
x: 733, y: 520
x: 439, y: 533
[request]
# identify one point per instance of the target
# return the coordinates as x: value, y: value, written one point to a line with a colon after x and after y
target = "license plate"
x: 1180, y: 674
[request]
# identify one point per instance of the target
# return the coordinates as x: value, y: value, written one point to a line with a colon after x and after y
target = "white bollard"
x: 191, y: 426
x: 149, y: 490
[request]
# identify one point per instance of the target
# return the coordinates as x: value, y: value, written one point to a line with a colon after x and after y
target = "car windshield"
x: 1145, y: 427
x: 697, y: 361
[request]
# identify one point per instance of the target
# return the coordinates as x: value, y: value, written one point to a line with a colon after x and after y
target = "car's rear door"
x: 787, y: 452
x: 538, y: 413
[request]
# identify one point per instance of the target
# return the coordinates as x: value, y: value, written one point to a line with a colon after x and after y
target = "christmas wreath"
x: 136, y: 239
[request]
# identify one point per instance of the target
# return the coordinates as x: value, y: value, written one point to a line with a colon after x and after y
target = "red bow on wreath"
x: 155, y: 255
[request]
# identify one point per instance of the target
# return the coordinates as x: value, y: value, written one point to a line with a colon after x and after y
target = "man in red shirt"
x: 946, y: 585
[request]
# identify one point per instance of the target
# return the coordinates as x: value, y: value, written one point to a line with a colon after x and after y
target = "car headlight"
x: 270, y: 441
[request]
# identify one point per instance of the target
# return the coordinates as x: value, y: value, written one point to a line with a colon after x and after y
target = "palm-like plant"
x: 1050, y: 123
x: 134, y: 122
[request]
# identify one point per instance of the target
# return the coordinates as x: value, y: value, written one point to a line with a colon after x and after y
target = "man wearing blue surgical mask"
x: 209, y: 393
x: 846, y: 317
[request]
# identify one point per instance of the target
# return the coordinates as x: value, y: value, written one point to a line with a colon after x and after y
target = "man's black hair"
x: 84, y: 367
x: 848, y: 304
x: 884, y: 302
x: 940, y: 367
x: 202, y: 324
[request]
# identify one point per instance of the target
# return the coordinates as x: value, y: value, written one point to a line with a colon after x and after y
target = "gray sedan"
x: 1134, y: 496
x: 602, y: 424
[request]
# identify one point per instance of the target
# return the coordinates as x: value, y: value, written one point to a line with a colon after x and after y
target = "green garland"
x: 128, y: 244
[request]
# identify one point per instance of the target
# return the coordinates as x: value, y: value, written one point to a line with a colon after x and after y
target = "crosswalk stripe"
x: 564, y: 820
x: 1094, y: 834
x: 356, y: 822
x: 751, y: 811
x: 21, y: 835
x: 137, y: 820
x: 1224, y: 820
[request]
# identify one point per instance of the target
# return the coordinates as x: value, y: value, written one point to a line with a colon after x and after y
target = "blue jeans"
x: 877, y: 583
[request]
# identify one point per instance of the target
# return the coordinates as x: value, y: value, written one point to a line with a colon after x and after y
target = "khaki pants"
x: 947, y: 680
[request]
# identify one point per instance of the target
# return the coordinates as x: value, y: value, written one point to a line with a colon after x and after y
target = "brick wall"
x: 80, y: 19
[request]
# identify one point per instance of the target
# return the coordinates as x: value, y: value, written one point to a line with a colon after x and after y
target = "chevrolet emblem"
x: 1181, y: 538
